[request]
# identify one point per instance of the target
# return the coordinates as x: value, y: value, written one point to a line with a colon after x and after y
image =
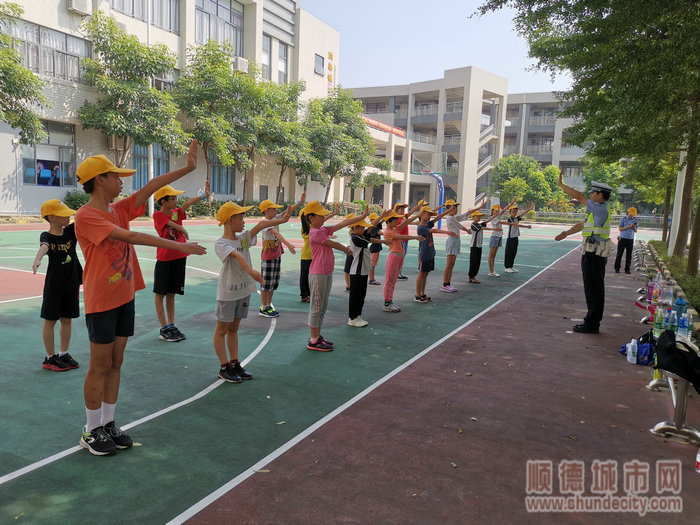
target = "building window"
x: 165, y: 82
x: 222, y: 178
x: 48, y: 52
x: 161, y: 164
x: 266, y: 54
x: 52, y: 162
x: 166, y: 15
x: 132, y: 8
x: 220, y: 20
x: 282, y: 64
x: 263, y: 192
x: 318, y: 65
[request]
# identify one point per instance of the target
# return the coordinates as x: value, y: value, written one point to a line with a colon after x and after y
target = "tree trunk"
x: 667, y: 207
x: 245, y: 180
x: 694, y: 249
x: 687, y: 200
x: 279, y: 182
x: 328, y: 190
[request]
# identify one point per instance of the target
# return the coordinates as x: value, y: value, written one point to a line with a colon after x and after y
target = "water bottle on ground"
x: 650, y: 291
x: 697, y: 461
x: 669, y: 294
x: 632, y: 352
x: 658, y: 322
x: 683, y: 325
x: 690, y: 325
x: 673, y: 321
x: 667, y: 318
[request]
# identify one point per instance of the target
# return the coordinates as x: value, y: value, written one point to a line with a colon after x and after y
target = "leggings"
x: 320, y: 291
x: 304, y: 278
x: 393, y: 265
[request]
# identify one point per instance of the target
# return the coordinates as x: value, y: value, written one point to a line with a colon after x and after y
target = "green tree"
x: 20, y: 89
x: 522, y: 177
x: 205, y: 93
x: 373, y: 179
x: 634, y: 66
x: 612, y: 174
x: 339, y: 138
x: 121, y: 68
x: 515, y: 187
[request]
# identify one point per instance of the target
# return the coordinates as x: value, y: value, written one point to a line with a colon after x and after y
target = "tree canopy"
x: 522, y: 177
x: 121, y: 69
x: 20, y: 89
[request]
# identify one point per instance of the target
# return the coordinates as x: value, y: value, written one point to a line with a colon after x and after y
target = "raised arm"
x: 570, y: 191
x: 272, y: 222
x: 574, y: 229
x: 528, y: 209
x: 155, y: 183
x: 351, y: 220
x: 204, y: 196
x: 284, y: 241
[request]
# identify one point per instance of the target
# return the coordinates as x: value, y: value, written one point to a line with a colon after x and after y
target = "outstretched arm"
x: 204, y: 196
x: 570, y: 191
x: 351, y: 220
x: 574, y: 229
x: 284, y: 241
x: 155, y: 183
x: 43, y: 250
x: 246, y: 267
x: 272, y: 222
x: 132, y: 237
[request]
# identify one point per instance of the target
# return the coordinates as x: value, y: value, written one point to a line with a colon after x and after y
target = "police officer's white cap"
x: 599, y: 186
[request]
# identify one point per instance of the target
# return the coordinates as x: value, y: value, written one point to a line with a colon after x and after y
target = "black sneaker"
x: 402, y: 277
x: 321, y: 339
x: 120, y: 438
x: 98, y: 442
x: 69, y: 361
x: 320, y: 346
x: 168, y: 334
x: 586, y: 329
x: 54, y: 363
x: 238, y: 369
x: 228, y: 374
x: 178, y: 333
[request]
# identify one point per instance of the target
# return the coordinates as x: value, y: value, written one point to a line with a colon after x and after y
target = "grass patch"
x: 677, y: 266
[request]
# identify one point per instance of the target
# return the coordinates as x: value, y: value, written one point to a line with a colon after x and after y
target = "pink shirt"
x: 322, y: 258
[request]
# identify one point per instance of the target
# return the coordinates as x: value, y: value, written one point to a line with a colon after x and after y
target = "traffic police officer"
x: 595, y: 250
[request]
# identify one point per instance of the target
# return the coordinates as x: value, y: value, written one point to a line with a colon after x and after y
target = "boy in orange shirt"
x: 110, y: 280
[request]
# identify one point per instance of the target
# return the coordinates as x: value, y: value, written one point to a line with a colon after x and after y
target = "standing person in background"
x: 625, y: 242
x: 513, y: 236
x: 394, y: 260
x: 426, y: 249
x: 595, y: 250
x: 169, y: 272
x: 453, y: 244
x: 496, y: 237
x: 375, y: 249
x: 400, y: 209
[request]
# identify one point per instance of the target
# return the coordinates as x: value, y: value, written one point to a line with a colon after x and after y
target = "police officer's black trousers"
x: 593, y: 270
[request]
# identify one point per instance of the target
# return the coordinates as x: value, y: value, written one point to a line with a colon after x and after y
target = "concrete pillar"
x: 676, y: 212
x: 387, y: 196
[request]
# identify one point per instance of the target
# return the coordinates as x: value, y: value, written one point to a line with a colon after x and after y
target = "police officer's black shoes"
x: 583, y: 328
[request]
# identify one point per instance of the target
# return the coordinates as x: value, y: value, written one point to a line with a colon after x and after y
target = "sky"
x: 390, y: 42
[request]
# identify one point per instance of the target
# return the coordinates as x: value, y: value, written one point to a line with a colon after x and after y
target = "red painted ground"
x: 447, y: 439
x: 18, y: 285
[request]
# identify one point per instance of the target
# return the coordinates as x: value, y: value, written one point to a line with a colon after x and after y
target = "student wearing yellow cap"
x: 476, y: 229
x: 169, y: 272
x: 512, y: 241
x: 426, y: 248
x: 496, y: 239
x: 625, y: 242
x: 236, y: 284
x: 453, y: 244
x: 64, y: 276
x: 271, y: 257
x: 110, y: 280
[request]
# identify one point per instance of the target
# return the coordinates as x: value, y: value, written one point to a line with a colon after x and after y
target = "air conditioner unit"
x: 240, y: 64
x: 80, y: 7
x: 113, y: 142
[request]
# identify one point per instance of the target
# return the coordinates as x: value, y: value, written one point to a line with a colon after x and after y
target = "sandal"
x: 474, y: 281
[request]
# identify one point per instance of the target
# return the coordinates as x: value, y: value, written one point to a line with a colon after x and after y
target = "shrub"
x: 76, y: 198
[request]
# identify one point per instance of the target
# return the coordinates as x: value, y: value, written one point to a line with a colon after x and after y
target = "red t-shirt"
x: 402, y: 230
x: 112, y: 274
x: 160, y: 223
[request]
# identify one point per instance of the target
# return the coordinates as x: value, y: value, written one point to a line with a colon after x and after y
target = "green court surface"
x: 190, y: 450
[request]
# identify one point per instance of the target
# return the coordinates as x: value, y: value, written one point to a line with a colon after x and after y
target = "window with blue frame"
x: 223, y: 178
x: 139, y: 154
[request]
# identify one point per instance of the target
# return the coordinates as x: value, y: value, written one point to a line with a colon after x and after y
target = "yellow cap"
x: 97, y: 165
x: 373, y: 216
x: 166, y: 191
x: 392, y: 215
x: 315, y: 208
x: 426, y: 209
x: 400, y: 205
x: 267, y: 203
x: 513, y: 207
x: 56, y: 207
x: 496, y: 207
x: 632, y: 211
x: 476, y: 214
x: 362, y: 223
x: 451, y: 202
x: 228, y: 210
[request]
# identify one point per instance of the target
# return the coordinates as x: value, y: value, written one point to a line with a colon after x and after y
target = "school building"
x: 288, y: 43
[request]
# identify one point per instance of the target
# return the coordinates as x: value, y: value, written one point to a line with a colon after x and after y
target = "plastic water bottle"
x: 690, y: 325
x: 672, y: 321
x: 658, y: 322
x: 669, y: 294
x: 632, y: 352
x: 683, y: 325
x: 697, y: 461
x: 650, y: 291
x: 667, y: 318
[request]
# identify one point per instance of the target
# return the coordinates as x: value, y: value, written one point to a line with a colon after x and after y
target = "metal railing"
x: 401, y: 113
x: 399, y: 165
x: 542, y: 121
x: 421, y: 137
x: 538, y: 149
x: 431, y: 109
x: 486, y: 131
x: 454, y: 107
x: 453, y: 140
x: 510, y: 149
x: 482, y: 164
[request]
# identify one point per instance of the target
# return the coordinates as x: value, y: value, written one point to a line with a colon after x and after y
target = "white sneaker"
x: 510, y: 270
x: 514, y: 270
x: 391, y: 307
x: 494, y: 274
x: 358, y: 322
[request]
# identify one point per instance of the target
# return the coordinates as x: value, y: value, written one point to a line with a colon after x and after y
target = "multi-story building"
x: 451, y: 126
x: 288, y: 43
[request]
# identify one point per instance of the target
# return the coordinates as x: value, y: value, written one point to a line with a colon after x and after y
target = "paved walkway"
x: 447, y: 439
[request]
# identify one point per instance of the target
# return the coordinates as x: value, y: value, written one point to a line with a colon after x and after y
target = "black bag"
x: 678, y: 357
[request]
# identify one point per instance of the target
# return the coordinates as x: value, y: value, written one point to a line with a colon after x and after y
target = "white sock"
x: 63, y: 353
x: 94, y: 418
x: 108, y: 412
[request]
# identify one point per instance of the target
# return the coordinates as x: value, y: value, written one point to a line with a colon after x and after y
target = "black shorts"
x: 61, y: 304
x: 169, y: 277
x: 426, y: 266
x: 348, y: 263
x: 104, y: 327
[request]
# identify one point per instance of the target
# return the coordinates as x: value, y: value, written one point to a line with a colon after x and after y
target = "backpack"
x: 678, y: 355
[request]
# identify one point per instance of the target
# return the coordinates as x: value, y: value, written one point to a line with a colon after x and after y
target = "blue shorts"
x: 427, y: 265
x: 495, y: 242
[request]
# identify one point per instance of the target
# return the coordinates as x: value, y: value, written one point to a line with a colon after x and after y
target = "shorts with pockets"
x: 229, y: 311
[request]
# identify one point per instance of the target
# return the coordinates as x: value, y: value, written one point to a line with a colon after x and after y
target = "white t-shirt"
x: 234, y: 282
x: 496, y: 223
x: 452, y: 222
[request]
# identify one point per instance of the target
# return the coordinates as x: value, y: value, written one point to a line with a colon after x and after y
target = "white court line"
x: 46, y: 461
x: 208, y: 500
x: 21, y: 299
x: 17, y: 257
x: 19, y: 270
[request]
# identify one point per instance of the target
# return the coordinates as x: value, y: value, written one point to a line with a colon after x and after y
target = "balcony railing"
x: 482, y: 164
x: 454, y: 107
x: 452, y: 170
x: 539, y: 149
x: 542, y: 121
x: 453, y: 140
x: 431, y: 109
x: 399, y: 165
x: 421, y: 137
x: 375, y: 111
x: 510, y: 149
x: 486, y: 132
x: 401, y: 113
